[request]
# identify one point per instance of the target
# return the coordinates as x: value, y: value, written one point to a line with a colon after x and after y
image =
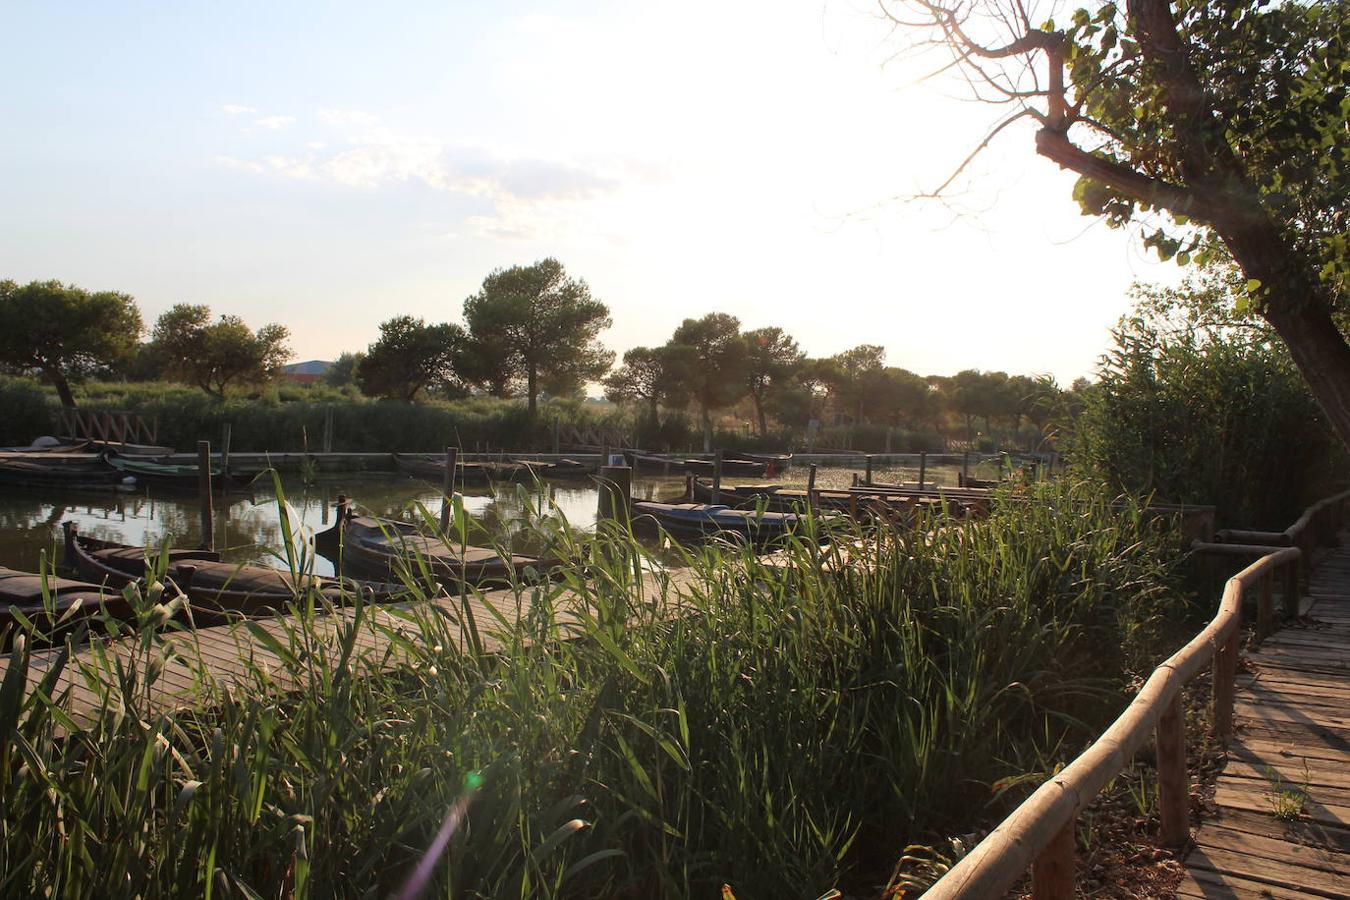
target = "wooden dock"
x: 231, y: 655
x: 1282, y: 824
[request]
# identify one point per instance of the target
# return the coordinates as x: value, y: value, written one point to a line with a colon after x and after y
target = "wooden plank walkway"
x: 1282, y: 826
x: 227, y: 655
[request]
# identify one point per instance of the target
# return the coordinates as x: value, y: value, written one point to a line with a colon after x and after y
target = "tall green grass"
x: 783, y: 724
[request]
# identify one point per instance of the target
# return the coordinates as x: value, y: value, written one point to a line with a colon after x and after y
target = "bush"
x: 791, y: 730
x: 27, y: 411
x: 1202, y: 406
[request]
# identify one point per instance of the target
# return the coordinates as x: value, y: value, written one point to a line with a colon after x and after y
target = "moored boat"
x: 384, y: 545
x: 61, y: 470
x: 213, y: 585
x: 51, y: 603
x: 430, y: 467
x: 185, y: 476
x: 694, y: 520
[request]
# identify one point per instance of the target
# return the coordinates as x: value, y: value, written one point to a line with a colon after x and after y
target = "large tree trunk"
x: 532, y: 387
x: 1320, y: 352
x: 759, y: 414
x: 58, y: 379
x: 707, y: 428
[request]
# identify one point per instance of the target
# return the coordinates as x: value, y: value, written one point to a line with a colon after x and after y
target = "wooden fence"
x: 1039, y: 834
x: 107, y: 427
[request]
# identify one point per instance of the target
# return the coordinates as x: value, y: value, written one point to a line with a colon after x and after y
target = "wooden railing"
x: 107, y: 427
x: 1039, y: 834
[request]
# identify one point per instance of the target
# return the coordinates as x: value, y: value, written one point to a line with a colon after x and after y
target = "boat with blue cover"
x: 692, y: 520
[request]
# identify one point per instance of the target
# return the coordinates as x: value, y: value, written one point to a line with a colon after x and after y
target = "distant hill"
x: 307, y: 371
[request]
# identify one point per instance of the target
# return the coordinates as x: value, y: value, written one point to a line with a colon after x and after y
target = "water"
x: 248, y: 529
x: 247, y: 525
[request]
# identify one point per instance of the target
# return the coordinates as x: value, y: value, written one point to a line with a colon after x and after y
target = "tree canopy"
x: 215, y: 355
x: 716, y: 376
x: 1217, y: 126
x: 538, y: 325
x: 652, y: 376
x: 62, y: 331
x: 410, y: 357
x: 772, y: 357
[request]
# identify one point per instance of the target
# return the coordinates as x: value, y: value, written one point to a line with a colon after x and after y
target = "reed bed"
x: 785, y: 725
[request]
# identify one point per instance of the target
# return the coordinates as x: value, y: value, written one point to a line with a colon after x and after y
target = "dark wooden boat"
x: 431, y: 468
x: 61, y: 470
x: 654, y: 464
x: 71, y: 603
x: 777, y: 463
x: 732, y: 467
x: 384, y: 545
x: 695, y: 520
x: 965, y: 481
x: 184, y: 476
x: 213, y: 586
x: 775, y: 497
x: 568, y: 469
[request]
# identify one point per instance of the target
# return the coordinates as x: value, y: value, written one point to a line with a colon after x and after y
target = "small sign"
x: 616, y: 459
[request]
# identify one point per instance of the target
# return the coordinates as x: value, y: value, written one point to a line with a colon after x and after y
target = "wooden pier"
x: 224, y: 656
x: 1281, y: 828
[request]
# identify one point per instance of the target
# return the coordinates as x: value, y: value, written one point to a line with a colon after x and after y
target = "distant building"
x: 307, y: 372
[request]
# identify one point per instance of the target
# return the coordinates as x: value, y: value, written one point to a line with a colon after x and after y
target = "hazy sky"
x: 329, y: 165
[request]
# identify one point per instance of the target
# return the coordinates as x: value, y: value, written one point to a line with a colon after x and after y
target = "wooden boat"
x: 61, y: 470
x: 652, y: 463
x: 694, y: 520
x: 777, y: 463
x: 174, y: 475
x: 432, y: 468
x: 384, y: 545
x: 965, y: 481
x: 731, y: 467
x: 221, y: 587
x: 71, y: 602
x: 568, y: 469
x: 775, y: 497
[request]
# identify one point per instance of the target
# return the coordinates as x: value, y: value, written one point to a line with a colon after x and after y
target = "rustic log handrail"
x: 1039, y: 834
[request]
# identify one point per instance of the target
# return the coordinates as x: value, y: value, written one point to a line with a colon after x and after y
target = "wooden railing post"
x: 1052, y: 874
x: 1174, y: 796
x: 1225, y: 676
x: 1265, y: 604
x: 204, y: 494
x: 1292, y: 597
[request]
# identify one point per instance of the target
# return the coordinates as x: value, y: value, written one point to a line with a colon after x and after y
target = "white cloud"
x: 529, y: 196
x: 272, y: 123
x: 236, y: 109
x: 355, y: 117
x: 239, y: 165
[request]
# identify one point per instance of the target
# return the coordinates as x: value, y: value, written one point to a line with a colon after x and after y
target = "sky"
x: 330, y: 165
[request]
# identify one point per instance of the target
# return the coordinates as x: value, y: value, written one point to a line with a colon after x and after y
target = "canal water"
x: 248, y: 524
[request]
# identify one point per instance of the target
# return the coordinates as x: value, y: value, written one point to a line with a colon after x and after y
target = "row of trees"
x: 63, y: 332
x: 529, y: 330
x: 712, y: 364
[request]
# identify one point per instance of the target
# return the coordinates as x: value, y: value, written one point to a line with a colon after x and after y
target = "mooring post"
x: 616, y: 492
x: 225, y: 452
x: 867, y: 462
x: 717, y: 478
x: 811, y: 488
x: 204, y: 494
x: 923, y: 468
x: 448, y: 487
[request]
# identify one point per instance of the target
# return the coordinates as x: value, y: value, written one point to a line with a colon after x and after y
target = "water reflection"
x: 247, y: 526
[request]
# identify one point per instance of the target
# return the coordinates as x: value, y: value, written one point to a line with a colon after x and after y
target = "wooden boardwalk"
x: 231, y: 655
x: 1282, y: 825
